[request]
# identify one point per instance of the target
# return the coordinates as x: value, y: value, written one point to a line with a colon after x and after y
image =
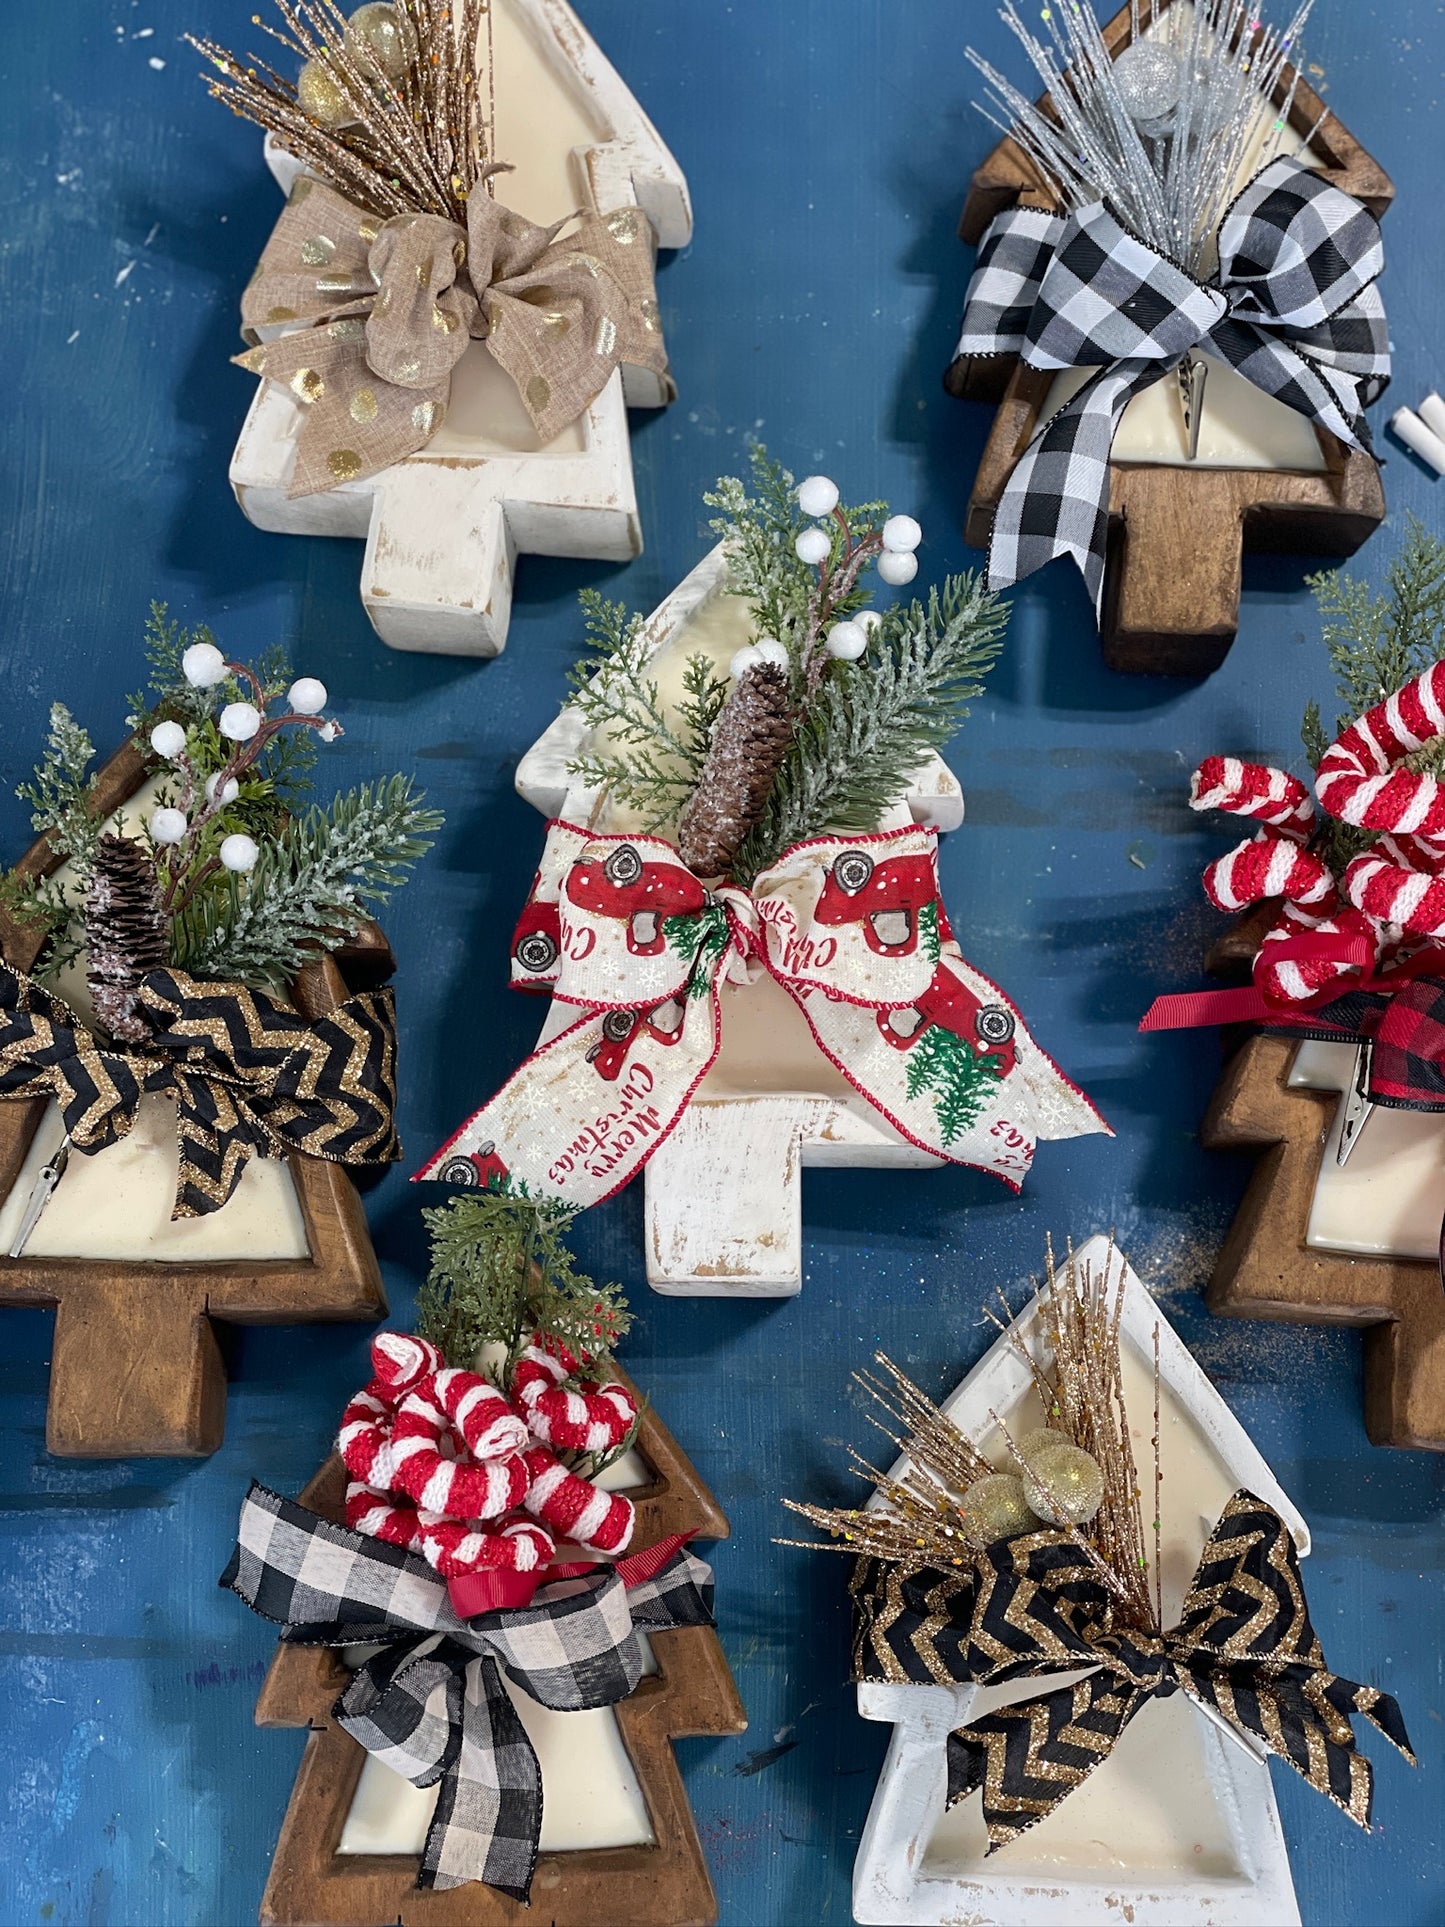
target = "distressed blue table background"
x: 828, y: 147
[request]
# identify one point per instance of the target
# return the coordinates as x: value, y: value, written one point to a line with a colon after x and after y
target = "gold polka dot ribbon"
x: 389, y: 308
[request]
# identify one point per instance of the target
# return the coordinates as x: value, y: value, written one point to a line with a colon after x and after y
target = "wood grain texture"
x: 1267, y: 1270
x: 136, y: 1371
x: 665, y: 1885
x: 1177, y: 536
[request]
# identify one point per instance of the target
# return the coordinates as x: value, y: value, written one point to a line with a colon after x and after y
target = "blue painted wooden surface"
x: 828, y: 147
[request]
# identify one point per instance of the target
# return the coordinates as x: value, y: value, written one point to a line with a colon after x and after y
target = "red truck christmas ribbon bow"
x: 851, y: 927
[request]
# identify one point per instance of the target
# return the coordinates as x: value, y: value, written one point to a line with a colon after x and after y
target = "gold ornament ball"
x: 378, y: 35
x: 1038, y: 1441
x: 321, y: 96
x: 1064, y: 1484
x: 997, y: 1508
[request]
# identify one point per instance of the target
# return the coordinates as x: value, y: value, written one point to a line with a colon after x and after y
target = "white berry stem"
x: 833, y: 587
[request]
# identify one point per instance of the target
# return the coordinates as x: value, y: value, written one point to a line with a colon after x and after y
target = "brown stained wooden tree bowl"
x: 1177, y: 535
x: 1267, y: 1270
x: 664, y: 1885
x: 135, y: 1370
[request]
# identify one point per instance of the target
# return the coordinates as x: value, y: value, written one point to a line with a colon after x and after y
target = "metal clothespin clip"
x: 1358, y: 1102
x: 1193, y: 372
x: 41, y: 1192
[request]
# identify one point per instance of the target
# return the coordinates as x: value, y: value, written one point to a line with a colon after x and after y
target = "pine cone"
x: 125, y: 933
x: 750, y: 738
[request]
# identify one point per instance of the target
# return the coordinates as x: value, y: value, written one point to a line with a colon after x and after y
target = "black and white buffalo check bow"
x: 431, y: 1704
x: 1293, y: 306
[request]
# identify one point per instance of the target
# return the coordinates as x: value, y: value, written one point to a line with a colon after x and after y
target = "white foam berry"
x: 869, y: 621
x: 896, y: 568
x: 307, y: 696
x: 846, y: 640
x: 901, y: 535
x: 817, y: 496
x: 168, y: 740
x: 771, y: 651
x: 239, y: 722
x: 813, y: 546
x: 239, y: 853
x: 228, y: 794
x: 203, y: 665
x: 746, y: 658
x: 168, y: 826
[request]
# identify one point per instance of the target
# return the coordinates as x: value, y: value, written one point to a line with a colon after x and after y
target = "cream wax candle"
x: 1387, y: 1200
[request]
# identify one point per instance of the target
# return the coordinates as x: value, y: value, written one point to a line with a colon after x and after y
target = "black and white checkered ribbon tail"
x: 432, y: 1704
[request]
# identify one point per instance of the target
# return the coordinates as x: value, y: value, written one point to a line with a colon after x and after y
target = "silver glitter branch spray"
x: 1164, y: 133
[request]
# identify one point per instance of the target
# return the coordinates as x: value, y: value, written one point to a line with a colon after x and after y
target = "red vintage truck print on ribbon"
x: 852, y: 927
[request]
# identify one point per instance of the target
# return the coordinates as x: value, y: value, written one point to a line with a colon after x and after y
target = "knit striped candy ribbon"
x: 441, y: 1462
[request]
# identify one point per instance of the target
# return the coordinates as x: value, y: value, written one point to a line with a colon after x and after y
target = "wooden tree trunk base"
x: 665, y: 1885
x: 1266, y: 1270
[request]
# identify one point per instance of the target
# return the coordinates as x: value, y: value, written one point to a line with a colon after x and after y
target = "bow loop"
x: 1106, y: 296
x: 851, y: 928
x: 424, y: 311
x: 1294, y: 249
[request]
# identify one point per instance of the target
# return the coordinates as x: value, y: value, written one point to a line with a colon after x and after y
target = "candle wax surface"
x: 541, y: 124
x: 1152, y: 1807
x: 1240, y: 425
x: 590, y: 1793
x: 117, y: 1203
x: 1388, y: 1199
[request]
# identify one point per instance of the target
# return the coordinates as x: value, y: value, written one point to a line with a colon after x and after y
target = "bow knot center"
x: 425, y: 310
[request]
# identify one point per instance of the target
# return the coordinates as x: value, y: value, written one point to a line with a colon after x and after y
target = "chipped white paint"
x: 724, y: 1191
x: 444, y: 527
x: 1179, y: 1828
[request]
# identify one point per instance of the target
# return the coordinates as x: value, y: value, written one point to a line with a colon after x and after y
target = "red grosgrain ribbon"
x: 851, y: 927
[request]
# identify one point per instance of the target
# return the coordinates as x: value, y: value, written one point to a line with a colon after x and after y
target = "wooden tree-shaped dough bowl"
x: 443, y: 527
x: 1179, y: 1827
x: 724, y: 1191
x: 136, y: 1371
x: 1267, y: 1269
x: 1177, y: 533
x: 662, y: 1885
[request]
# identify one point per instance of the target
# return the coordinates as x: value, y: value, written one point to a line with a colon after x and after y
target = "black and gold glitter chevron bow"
x: 251, y: 1077
x: 1244, y: 1647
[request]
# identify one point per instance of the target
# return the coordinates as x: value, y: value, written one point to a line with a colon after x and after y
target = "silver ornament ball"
x: 1150, y: 82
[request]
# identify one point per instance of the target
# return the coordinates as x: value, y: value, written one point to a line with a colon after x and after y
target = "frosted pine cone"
x: 749, y: 741
x: 125, y: 933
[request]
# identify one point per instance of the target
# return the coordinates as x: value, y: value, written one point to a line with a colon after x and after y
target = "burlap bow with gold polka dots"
x: 390, y: 306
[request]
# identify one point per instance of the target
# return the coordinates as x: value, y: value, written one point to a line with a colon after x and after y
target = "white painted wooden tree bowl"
x: 443, y: 528
x: 724, y: 1191
x: 1179, y: 1827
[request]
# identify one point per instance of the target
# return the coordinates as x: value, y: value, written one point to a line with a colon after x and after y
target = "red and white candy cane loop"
x: 1343, y: 945
x: 364, y: 1440
x: 1358, y: 780
x: 1269, y: 865
x: 1259, y: 790
x: 1393, y: 893
x: 445, y: 1485
x: 481, y: 1413
x: 593, y: 1418
x: 401, y: 1361
x: 454, y: 1548
x: 575, y: 1508
x: 378, y: 1515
